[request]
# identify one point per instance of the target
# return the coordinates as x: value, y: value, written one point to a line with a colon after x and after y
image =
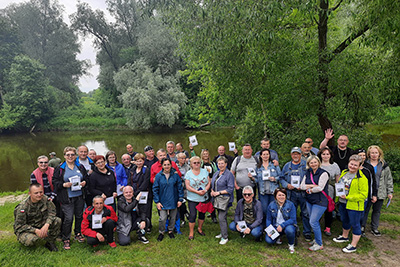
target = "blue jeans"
x: 265, y: 200
x: 350, y: 219
x: 290, y: 232
x: 256, y: 232
x: 316, y: 212
x: 298, y: 198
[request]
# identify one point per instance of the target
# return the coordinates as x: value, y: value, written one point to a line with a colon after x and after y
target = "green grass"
x: 203, y: 251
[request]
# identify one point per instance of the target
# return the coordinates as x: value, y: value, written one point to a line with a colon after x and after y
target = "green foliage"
x: 9, y: 48
x: 148, y: 98
x: 392, y: 157
x: 87, y: 115
x: 45, y: 37
x: 29, y: 97
x: 269, y: 61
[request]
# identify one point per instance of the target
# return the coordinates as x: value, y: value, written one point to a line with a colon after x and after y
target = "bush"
x: 392, y: 157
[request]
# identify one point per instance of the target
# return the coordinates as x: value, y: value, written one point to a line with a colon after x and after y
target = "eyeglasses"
x: 197, y: 162
x: 204, y: 149
x: 43, y: 162
x: 70, y: 155
x: 99, y: 162
x: 247, y: 195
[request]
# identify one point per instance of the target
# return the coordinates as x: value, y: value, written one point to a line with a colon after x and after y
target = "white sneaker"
x: 223, y: 241
x: 279, y: 241
x: 218, y: 236
x: 316, y: 247
x: 291, y: 249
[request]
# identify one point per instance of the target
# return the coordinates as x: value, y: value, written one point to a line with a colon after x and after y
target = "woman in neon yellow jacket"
x: 351, y: 204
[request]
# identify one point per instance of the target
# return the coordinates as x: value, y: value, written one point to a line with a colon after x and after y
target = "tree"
x: 149, y: 98
x: 9, y: 48
x: 30, y: 99
x: 274, y: 62
x: 45, y: 37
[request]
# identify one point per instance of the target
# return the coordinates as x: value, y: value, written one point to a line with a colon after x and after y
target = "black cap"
x: 360, y: 150
x: 148, y: 148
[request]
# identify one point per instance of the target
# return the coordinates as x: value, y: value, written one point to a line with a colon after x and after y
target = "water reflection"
x: 18, y: 152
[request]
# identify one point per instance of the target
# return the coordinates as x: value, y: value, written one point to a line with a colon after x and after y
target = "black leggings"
x: 193, y: 212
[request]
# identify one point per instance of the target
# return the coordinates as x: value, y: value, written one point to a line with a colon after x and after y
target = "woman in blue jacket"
x: 168, y: 196
x: 281, y: 214
x: 267, y: 179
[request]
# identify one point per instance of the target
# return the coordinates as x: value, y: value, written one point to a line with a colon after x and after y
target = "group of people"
x: 104, y: 196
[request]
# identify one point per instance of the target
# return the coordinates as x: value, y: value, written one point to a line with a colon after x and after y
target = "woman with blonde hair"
x: 316, y: 186
x: 197, y: 185
x: 384, y: 183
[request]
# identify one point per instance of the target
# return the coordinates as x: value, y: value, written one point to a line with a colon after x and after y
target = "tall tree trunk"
x: 323, y: 66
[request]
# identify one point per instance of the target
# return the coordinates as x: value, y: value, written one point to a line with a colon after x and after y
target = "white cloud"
x: 86, y: 83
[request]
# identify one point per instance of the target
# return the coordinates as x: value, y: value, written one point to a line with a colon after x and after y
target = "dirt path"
x: 12, y: 198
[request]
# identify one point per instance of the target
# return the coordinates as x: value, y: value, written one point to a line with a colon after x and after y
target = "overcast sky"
x: 86, y: 83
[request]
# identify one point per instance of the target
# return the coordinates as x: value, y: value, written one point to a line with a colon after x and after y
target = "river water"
x: 18, y: 152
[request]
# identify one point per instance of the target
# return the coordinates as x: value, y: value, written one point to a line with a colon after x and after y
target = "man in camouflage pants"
x: 35, y: 218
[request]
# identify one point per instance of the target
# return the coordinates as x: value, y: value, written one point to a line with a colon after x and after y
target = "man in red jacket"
x: 156, y: 167
x: 99, y: 222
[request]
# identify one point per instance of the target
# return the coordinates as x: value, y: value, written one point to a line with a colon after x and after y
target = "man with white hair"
x: 249, y: 211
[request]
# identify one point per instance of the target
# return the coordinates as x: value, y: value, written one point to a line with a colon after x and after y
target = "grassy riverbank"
x: 205, y: 251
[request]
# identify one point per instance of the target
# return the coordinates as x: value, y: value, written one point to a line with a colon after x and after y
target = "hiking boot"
x: 341, y: 239
x: 349, y: 249
x: 51, y: 246
x: 160, y: 237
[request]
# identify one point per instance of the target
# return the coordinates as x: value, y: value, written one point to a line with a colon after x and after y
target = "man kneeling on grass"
x: 35, y: 219
x: 99, y: 223
x: 248, y: 215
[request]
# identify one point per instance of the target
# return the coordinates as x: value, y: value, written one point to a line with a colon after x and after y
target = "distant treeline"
x: 269, y: 67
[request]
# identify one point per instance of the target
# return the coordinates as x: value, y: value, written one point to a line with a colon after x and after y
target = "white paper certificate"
x: 252, y: 171
x: 75, y: 180
x: 143, y: 198
x: 232, y: 146
x: 340, y: 189
x: 266, y: 174
x: 295, y: 181
x: 109, y: 200
x: 119, y: 190
x: 193, y: 140
x: 96, y: 221
x: 272, y: 232
x: 242, y: 225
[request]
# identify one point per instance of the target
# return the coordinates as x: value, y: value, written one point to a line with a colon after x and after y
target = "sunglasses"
x: 197, y: 162
x: 247, y: 195
x: 43, y: 162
